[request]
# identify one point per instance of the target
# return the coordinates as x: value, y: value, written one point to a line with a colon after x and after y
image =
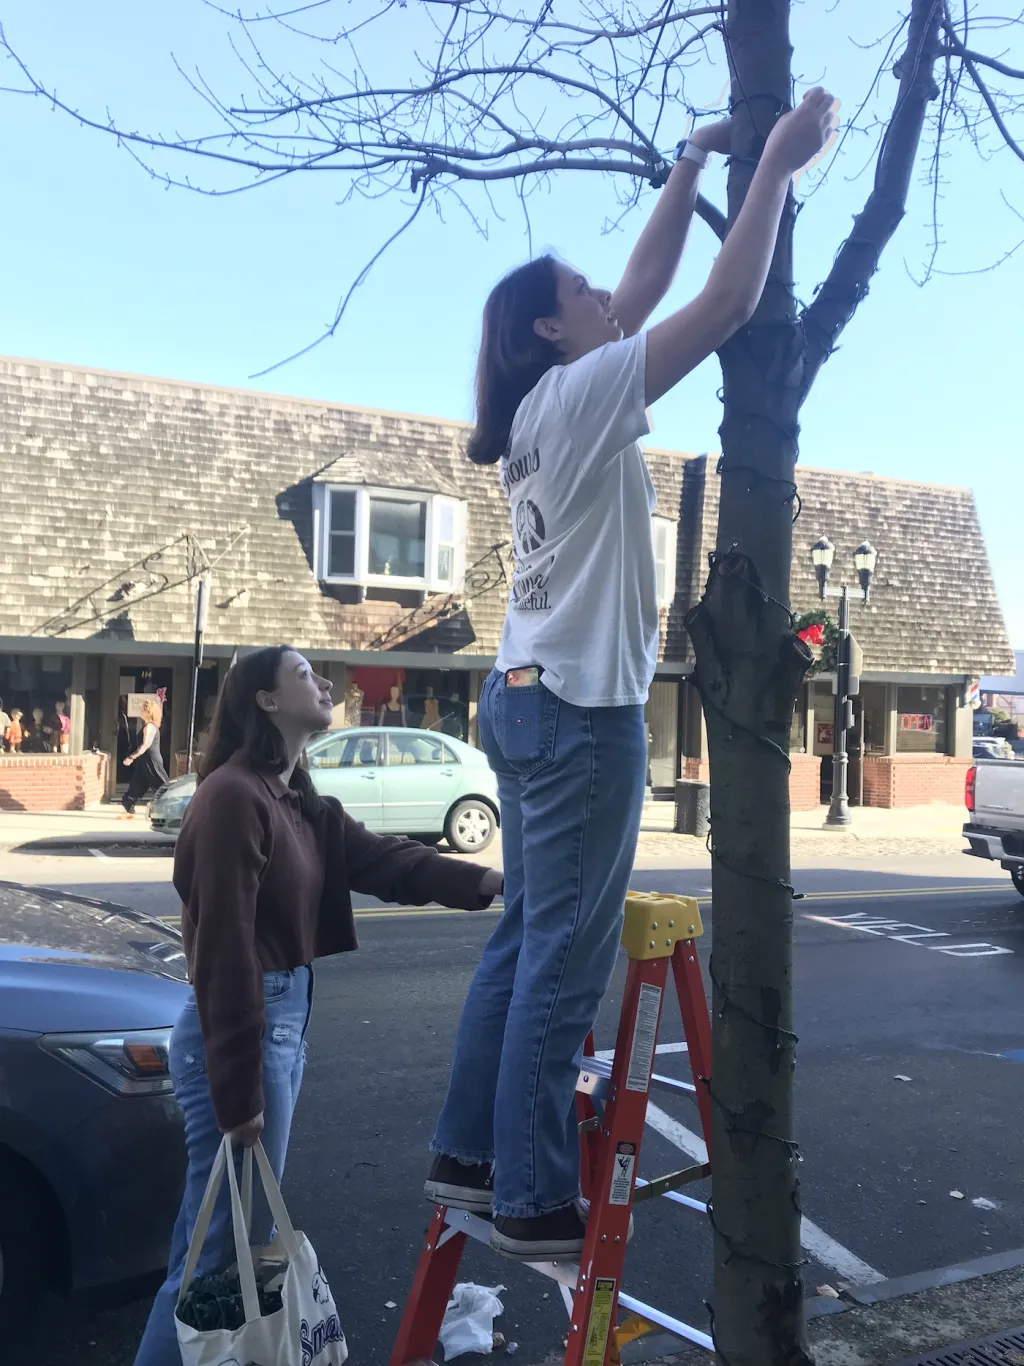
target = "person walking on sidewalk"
x: 147, y: 766
x: 564, y: 379
x: 265, y: 868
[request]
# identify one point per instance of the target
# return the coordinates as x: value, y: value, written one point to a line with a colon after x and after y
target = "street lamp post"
x: 202, y: 607
x: 847, y: 683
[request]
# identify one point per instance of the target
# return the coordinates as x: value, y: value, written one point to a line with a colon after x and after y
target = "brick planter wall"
x: 804, y: 782
x: 804, y: 779
x: 52, y: 782
x: 913, y: 779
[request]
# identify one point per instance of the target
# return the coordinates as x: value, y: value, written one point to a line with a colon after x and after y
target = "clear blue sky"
x: 104, y: 267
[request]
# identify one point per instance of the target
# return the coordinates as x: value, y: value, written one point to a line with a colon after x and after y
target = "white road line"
x: 606, y: 1054
x: 98, y: 853
x: 814, y: 1239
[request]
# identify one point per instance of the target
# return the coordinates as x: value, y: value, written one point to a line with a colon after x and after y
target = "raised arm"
x: 679, y: 344
x: 395, y: 869
x: 652, y: 266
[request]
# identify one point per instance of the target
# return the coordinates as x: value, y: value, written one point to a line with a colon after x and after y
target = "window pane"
x: 659, y: 568
x: 398, y: 537
x: 343, y: 512
x: 446, y: 523
x: 444, y: 563
x: 414, y: 749
x: 921, y: 720
x: 342, y: 558
x: 361, y: 751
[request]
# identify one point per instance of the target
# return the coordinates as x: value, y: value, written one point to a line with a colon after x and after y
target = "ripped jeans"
x: 288, y: 997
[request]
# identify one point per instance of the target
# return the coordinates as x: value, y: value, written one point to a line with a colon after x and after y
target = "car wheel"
x: 24, y: 1266
x: 1017, y: 873
x: 470, y: 826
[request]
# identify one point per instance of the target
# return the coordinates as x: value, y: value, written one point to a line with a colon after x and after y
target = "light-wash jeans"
x: 571, y: 784
x: 287, y: 996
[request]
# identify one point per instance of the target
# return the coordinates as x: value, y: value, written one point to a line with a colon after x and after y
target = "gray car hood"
x: 70, y: 963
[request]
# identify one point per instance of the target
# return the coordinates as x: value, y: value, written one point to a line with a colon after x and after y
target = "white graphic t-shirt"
x: 584, y: 600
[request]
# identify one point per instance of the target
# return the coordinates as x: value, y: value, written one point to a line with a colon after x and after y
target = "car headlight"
x: 127, y: 1064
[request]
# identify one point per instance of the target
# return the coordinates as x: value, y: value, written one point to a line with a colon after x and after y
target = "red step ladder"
x: 611, y: 1103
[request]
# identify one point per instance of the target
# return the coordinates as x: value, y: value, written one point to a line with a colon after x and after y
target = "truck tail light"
x: 972, y: 774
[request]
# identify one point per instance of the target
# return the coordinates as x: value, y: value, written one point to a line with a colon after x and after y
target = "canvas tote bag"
x: 306, y: 1330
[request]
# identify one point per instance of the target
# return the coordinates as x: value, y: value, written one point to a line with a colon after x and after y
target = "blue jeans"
x: 571, y: 784
x: 287, y: 996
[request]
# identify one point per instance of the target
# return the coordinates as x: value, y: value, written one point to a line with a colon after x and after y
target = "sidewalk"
x: 96, y: 826
x: 931, y: 1319
x: 873, y: 832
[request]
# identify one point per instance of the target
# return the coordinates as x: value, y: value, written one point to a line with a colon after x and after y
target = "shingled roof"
x: 933, y: 605
x: 131, y: 485
x: 128, y: 486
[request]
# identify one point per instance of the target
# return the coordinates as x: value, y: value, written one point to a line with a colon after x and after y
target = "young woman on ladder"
x: 564, y: 380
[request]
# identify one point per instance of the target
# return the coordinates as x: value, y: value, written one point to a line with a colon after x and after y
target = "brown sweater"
x: 263, y: 888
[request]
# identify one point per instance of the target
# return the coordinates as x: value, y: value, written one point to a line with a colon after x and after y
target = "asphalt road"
x: 909, y: 979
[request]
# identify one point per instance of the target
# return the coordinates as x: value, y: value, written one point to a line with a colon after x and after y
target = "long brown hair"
x: 513, y: 358
x: 240, y: 723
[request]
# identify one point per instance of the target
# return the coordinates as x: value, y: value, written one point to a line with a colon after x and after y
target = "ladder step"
x: 567, y: 1274
x: 666, y: 1321
x: 595, y: 1073
x: 479, y: 1229
x: 671, y: 1181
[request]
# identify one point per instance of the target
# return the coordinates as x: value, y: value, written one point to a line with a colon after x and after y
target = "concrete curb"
x: 99, y: 839
x: 888, y: 1321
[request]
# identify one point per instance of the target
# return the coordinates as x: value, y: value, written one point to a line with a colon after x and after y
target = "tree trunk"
x: 748, y: 668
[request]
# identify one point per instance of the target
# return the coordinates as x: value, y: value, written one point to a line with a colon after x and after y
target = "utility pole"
x: 202, y: 606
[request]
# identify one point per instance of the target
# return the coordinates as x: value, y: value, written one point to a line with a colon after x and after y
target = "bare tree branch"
x: 986, y: 94
x: 502, y: 93
x: 713, y: 217
x: 856, y: 262
x: 955, y: 48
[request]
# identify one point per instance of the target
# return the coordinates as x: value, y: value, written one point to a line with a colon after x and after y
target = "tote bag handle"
x: 246, y: 1273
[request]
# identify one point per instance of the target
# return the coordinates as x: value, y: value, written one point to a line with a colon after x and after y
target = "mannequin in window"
x: 354, y: 705
x: 392, y: 712
x: 431, y: 711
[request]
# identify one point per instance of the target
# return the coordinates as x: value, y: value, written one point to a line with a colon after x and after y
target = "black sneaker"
x: 454, y: 1183
x: 557, y: 1236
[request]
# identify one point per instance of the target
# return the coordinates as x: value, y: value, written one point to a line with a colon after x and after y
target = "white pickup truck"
x: 995, y: 803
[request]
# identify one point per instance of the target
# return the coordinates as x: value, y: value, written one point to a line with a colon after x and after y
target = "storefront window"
x: 39, y: 687
x: 426, y: 699
x: 872, y: 713
x: 922, y: 720
x: 798, y: 730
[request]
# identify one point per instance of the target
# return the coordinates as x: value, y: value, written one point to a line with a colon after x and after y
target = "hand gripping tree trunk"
x: 749, y: 667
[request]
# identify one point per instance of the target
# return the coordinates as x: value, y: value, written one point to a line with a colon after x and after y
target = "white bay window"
x: 389, y: 538
x: 663, y: 530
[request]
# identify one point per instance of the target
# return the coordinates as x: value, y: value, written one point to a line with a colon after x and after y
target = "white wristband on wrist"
x: 690, y: 152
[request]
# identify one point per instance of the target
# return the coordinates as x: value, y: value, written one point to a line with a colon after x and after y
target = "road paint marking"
x: 886, y: 929
x: 881, y: 894
x: 98, y: 853
x: 371, y: 913
x: 396, y: 912
x: 814, y: 1240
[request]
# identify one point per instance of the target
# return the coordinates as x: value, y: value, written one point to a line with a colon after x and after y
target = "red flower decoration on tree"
x: 812, y: 635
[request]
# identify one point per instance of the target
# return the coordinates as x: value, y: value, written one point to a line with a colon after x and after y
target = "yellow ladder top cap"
x: 656, y: 922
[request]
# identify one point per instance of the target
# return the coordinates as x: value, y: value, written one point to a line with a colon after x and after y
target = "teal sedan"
x: 395, y: 781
